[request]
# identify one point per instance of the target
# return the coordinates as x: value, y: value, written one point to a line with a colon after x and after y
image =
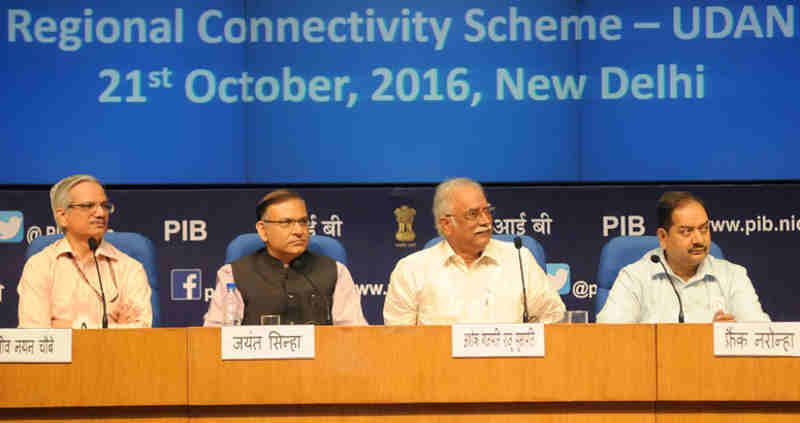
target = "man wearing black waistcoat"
x: 284, y: 278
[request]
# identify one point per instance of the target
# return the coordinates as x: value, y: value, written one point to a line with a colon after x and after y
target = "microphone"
x: 518, y: 245
x: 297, y: 265
x: 656, y: 259
x: 93, y: 244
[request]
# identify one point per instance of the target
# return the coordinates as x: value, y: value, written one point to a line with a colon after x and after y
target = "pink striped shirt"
x: 55, y: 290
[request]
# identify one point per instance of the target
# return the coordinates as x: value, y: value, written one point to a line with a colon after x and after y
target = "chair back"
x: 249, y: 243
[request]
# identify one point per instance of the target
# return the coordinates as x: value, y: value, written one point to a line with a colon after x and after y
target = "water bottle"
x: 231, y: 307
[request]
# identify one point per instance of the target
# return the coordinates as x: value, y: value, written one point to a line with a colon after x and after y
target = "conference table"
x: 590, y: 373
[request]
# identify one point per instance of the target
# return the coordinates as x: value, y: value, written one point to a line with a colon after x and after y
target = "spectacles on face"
x: 688, y: 231
x: 289, y: 223
x: 89, y: 206
x: 474, y: 214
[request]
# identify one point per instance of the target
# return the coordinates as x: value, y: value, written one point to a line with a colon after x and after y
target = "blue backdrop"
x: 392, y: 92
x: 757, y: 226
x: 399, y: 91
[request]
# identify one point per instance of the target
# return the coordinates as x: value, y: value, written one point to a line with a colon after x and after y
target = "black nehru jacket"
x: 300, y: 293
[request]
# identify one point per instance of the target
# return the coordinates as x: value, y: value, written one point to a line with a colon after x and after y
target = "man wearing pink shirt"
x: 60, y: 287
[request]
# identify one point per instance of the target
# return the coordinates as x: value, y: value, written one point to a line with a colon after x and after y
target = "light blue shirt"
x: 642, y: 293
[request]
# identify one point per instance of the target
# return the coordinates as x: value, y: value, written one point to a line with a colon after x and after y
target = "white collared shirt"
x: 642, y: 293
x: 434, y: 286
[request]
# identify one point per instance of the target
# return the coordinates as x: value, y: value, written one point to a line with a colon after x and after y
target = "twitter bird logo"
x: 558, y: 276
x: 10, y: 226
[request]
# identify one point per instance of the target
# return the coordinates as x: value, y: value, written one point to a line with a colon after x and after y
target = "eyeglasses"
x: 473, y: 214
x: 288, y: 223
x: 90, y: 206
x: 689, y: 230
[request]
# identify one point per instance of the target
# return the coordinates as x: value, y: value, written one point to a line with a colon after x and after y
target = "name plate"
x: 267, y: 342
x: 772, y: 339
x: 498, y: 340
x: 35, y: 345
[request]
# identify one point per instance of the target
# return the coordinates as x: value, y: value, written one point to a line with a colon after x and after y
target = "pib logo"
x: 626, y: 225
x: 192, y: 230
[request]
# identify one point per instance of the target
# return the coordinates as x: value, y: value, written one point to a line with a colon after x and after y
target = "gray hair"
x: 59, y: 193
x: 442, y: 204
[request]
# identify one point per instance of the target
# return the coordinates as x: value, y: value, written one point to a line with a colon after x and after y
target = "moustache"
x: 480, y: 229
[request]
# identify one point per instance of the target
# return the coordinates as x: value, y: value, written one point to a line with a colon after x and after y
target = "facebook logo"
x: 10, y: 226
x: 186, y: 284
x: 559, y: 277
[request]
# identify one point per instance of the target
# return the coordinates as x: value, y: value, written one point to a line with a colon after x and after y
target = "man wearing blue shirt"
x: 711, y: 289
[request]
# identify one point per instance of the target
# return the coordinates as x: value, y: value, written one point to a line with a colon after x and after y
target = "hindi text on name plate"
x: 267, y: 342
x: 35, y: 345
x: 770, y: 339
x: 498, y: 340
